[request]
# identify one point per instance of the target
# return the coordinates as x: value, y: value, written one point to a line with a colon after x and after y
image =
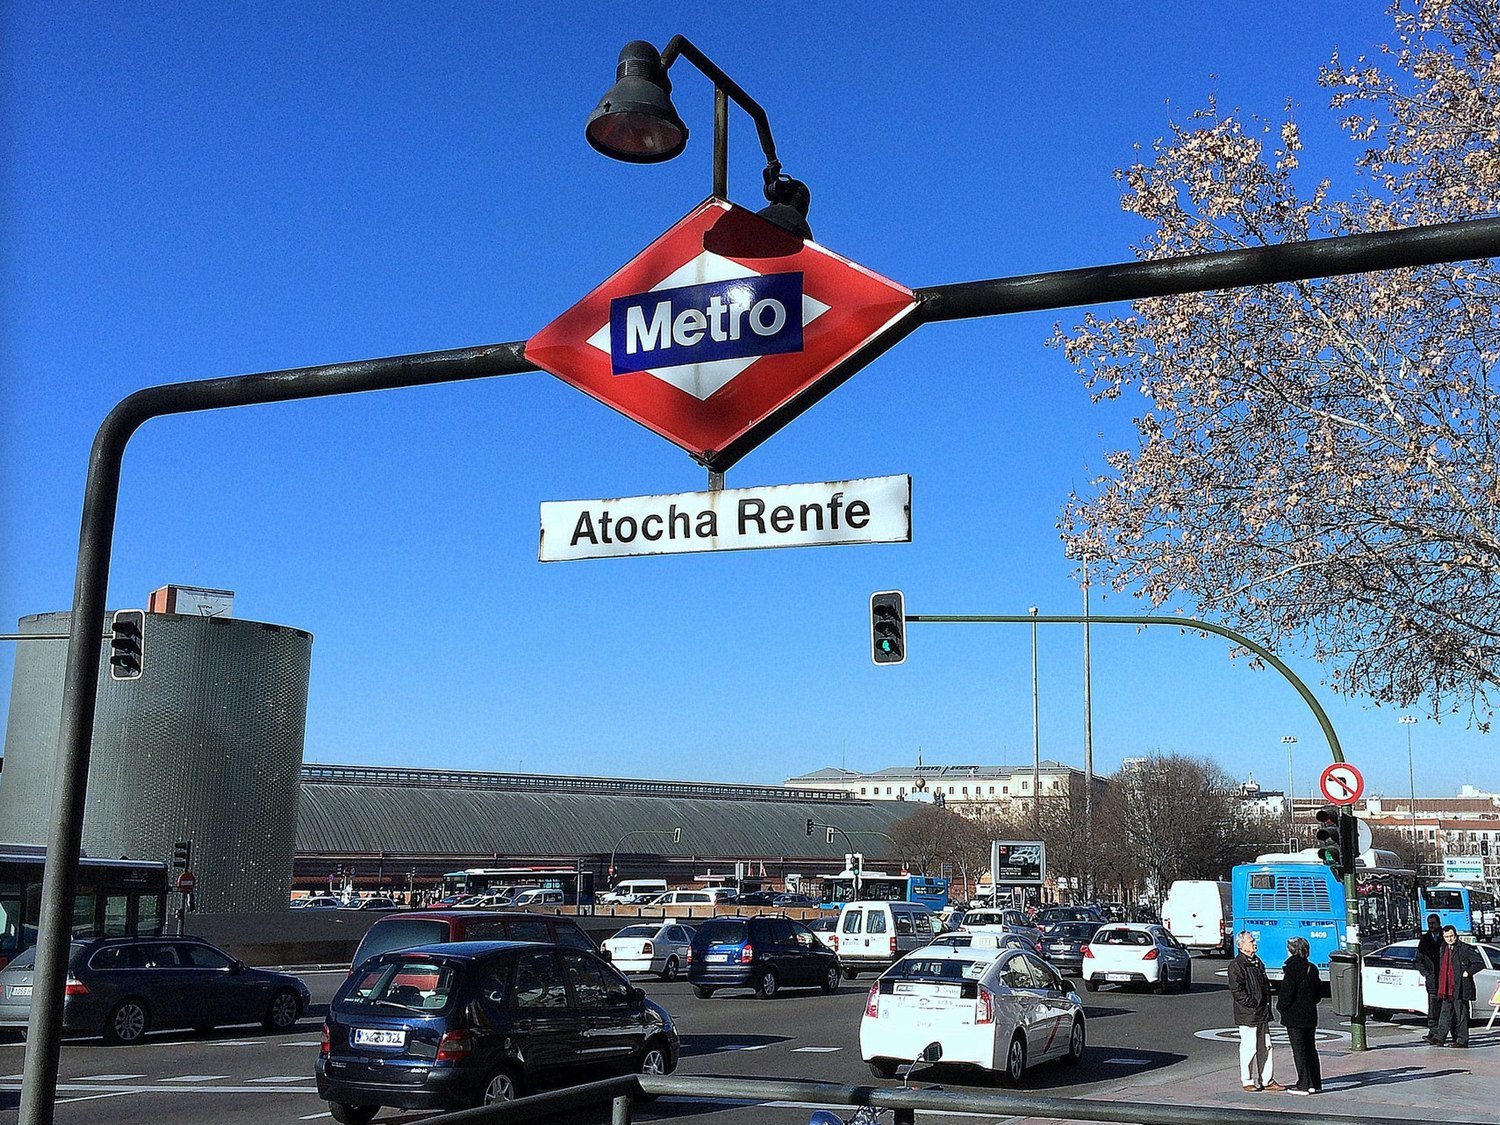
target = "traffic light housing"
x: 182, y: 855
x: 1349, y: 839
x: 888, y: 627
x: 809, y: 825
x: 127, y: 644
x: 1330, y: 842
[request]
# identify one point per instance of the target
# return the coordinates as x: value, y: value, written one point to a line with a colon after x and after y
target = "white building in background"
x: 957, y: 786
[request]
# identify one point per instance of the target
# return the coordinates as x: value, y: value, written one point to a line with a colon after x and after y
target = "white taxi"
x: 651, y: 947
x: 993, y: 1008
x: 1393, y: 983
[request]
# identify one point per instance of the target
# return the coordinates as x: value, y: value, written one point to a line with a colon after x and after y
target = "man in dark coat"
x: 1251, y: 991
x: 1457, y: 967
x: 1297, y: 1001
x: 1429, y: 952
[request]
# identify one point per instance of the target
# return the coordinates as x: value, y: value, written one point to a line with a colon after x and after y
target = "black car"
x: 121, y: 988
x: 756, y: 898
x: 1050, y: 916
x: 763, y: 953
x: 1063, y: 944
x: 461, y: 1024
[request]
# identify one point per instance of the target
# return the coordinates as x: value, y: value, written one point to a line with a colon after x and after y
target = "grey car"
x: 123, y: 987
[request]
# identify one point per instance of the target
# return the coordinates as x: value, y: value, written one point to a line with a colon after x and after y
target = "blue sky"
x: 193, y: 191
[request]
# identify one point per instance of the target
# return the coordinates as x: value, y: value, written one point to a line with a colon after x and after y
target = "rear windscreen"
x: 400, y: 933
x: 720, y: 931
x: 410, y: 985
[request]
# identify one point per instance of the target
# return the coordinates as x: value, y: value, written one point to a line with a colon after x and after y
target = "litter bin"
x: 1344, y: 983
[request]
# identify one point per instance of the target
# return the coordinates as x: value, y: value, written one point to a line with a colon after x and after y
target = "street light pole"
x: 675, y: 833
x: 1290, y: 740
x: 1036, y: 731
x: 1408, y: 721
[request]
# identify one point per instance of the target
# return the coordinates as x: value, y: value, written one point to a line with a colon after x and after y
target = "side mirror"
x: 637, y: 995
x: 236, y: 966
x: 1069, y: 985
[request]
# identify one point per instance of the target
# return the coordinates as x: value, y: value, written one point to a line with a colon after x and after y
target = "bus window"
x: 83, y: 915
x: 148, y: 920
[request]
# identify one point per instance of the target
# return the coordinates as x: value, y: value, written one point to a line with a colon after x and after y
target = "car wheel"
x: 346, y: 1114
x: 503, y: 1086
x: 882, y: 1068
x: 1015, y: 1061
x: 1091, y: 984
x: 850, y: 971
x: 669, y: 970
x: 768, y: 984
x: 284, y: 1011
x: 702, y: 992
x: 831, y: 979
x: 127, y: 1022
x: 1381, y: 1014
x: 654, y: 1060
x: 1075, y: 1044
x: 1187, y: 978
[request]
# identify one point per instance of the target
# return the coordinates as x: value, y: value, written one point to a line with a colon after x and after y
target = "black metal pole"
x: 81, y: 682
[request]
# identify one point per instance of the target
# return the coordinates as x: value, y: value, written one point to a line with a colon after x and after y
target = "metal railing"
x: 621, y: 1095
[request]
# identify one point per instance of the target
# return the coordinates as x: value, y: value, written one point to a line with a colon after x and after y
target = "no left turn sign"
x: 1342, y: 783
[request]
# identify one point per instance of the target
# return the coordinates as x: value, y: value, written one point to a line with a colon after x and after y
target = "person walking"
x: 1297, y: 1001
x: 1429, y: 952
x: 1250, y: 990
x: 1455, y: 988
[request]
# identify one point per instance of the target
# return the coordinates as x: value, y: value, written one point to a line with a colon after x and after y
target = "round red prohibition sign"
x: 1342, y: 783
x: 186, y: 882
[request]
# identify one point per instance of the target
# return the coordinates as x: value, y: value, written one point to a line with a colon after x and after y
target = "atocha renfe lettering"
x: 751, y: 517
x: 734, y: 319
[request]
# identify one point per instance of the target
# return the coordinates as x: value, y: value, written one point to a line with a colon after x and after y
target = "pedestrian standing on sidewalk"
x: 1455, y: 989
x: 1297, y: 1001
x: 1251, y: 991
x: 1429, y: 953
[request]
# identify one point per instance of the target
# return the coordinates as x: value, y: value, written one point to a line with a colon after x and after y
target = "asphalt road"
x: 248, y: 1076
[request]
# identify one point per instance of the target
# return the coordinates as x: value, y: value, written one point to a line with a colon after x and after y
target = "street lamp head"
x: 1407, y: 719
x: 1032, y: 610
x: 636, y: 121
x: 1288, y: 739
x: 789, y: 202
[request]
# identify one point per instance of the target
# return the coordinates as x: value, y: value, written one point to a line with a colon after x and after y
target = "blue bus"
x: 929, y: 890
x: 1469, y: 910
x: 1295, y: 894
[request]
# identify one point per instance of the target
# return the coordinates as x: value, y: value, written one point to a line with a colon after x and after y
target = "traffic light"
x: 1349, y: 839
x: 613, y: 871
x: 182, y: 855
x: 1330, y: 844
x: 127, y: 644
x: 887, y: 627
x: 809, y: 825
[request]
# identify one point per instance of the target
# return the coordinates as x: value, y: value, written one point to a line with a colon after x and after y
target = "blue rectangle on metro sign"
x: 734, y: 319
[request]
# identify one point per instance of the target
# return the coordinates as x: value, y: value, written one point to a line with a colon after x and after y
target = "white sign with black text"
x: 872, y: 510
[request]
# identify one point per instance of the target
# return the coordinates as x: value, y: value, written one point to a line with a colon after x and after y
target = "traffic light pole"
x: 1126, y: 281
x: 1352, y: 936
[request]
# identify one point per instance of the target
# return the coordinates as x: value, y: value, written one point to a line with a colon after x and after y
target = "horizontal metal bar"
x: 1226, y: 269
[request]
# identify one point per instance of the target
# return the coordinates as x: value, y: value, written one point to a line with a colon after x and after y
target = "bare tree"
x: 1317, y: 462
x: 933, y: 836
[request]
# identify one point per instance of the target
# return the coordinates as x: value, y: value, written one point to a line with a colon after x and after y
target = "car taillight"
x: 323, y: 1046
x: 984, y: 1006
x: 747, y: 952
x: 1225, y: 927
x: 647, y: 948
x: 893, y: 945
x: 75, y: 987
x: 834, y: 941
x: 1087, y: 952
x: 872, y: 1002
x: 1151, y: 954
x: 454, y: 1045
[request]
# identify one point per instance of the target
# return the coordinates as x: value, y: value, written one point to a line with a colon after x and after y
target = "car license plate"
x: 378, y: 1037
x: 20, y: 991
x: 1388, y: 978
x: 1116, y: 976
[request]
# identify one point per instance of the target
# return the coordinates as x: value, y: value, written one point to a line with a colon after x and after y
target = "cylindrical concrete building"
x: 205, y: 745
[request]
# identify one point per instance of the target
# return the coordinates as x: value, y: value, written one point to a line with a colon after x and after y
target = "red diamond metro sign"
x: 723, y: 330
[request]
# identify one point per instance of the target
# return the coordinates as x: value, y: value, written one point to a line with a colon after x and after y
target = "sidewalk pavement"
x: 1400, y: 1075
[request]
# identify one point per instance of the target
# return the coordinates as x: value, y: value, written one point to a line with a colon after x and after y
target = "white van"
x: 875, y: 935
x: 1197, y: 912
x: 536, y: 896
x: 634, y: 890
x: 713, y: 896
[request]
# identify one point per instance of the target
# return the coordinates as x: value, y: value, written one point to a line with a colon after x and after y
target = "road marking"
x: 1278, y: 1035
x: 107, y: 1077
x: 231, y: 1042
x: 94, y: 1097
x: 303, y: 1043
x: 1127, y: 1062
x: 745, y: 1047
x: 816, y: 1050
x: 196, y: 1078
x: 285, y: 1078
x: 181, y: 1088
x: 314, y: 1116
x: 12, y: 1077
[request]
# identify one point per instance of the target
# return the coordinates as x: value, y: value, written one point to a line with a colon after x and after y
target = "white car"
x: 998, y: 1010
x: 1004, y: 921
x: 1127, y: 953
x: 1393, y: 984
x: 825, y: 929
x: 651, y: 947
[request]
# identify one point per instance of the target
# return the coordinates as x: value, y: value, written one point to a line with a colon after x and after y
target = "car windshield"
x: 409, y: 984
x: 1074, y: 931
x: 939, y: 968
x: 637, y: 931
x: 1122, y: 937
x: 721, y: 931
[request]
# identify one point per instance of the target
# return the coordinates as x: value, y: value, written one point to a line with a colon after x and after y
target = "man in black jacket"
x: 1429, y: 952
x: 1457, y: 967
x: 1251, y: 991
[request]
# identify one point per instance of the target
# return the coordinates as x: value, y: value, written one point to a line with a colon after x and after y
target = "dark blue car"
x: 470, y: 1023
